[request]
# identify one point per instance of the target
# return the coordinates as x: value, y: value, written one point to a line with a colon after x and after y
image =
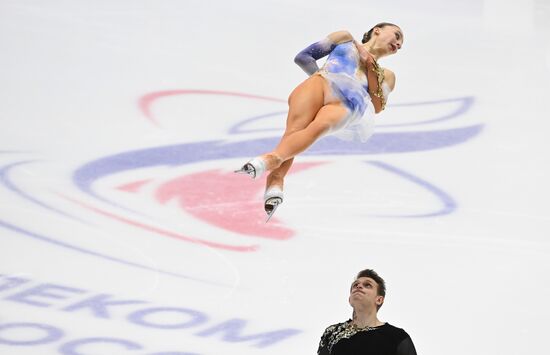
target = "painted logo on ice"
x: 178, y: 178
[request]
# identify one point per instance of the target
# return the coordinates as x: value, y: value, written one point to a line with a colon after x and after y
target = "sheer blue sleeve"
x: 307, y: 58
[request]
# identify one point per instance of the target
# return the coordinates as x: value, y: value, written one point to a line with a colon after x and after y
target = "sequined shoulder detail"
x: 334, y: 333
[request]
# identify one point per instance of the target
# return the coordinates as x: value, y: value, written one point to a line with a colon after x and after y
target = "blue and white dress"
x: 349, y: 85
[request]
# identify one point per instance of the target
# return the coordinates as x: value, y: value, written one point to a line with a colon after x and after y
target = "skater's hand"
x: 364, y: 56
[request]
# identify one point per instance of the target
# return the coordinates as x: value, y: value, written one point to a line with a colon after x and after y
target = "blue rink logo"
x: 91, y: 308
x: 193, y: 191
x: 138, y: 173
x: 384, y: 142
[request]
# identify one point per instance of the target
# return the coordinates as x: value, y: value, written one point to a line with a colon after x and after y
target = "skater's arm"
x: 381, y: 81
x: 406, y: 347
x: 307, y: 58
x: 340, y: 37
x: 375, y: 78
x: 323, y: 344
x: 387, y: 87
x: 390, y: 78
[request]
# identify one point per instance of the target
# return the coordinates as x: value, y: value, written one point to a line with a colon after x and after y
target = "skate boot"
x: 255, y: 168
x: 273, y: 197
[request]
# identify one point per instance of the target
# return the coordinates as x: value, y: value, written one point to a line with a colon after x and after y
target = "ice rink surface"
x: 124, y: 231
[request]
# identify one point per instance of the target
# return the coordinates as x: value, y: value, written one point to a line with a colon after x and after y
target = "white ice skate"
x: 273, y: 197
x: 255, y: 168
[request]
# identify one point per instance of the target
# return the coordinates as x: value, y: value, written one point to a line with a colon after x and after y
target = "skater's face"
x: 389, y: 39
x: 364, y: 294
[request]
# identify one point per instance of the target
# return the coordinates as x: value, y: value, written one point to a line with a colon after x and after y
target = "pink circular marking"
x: 146, y: 101
x: 164, y: 232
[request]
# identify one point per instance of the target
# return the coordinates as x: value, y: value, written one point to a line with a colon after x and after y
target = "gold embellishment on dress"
x: 380, y: 78
x: 345, y: 331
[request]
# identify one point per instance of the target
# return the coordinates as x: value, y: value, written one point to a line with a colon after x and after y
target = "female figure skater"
x: 332, y: 100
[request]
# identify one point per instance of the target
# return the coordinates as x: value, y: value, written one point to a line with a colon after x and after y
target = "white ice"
x: 457, y: 224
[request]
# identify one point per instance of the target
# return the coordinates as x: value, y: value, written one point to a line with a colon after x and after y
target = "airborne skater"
x: 341, y: 99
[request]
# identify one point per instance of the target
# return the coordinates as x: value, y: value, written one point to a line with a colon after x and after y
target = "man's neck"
x: 364, y: 319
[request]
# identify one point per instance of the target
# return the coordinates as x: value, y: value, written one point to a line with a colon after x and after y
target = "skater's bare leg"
x: 328, y: 116
x: 296, y: 142
x: 304, y: 103
x: 277, y: 176
x: 309, y: 118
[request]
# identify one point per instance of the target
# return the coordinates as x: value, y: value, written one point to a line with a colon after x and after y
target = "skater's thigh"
x: 329, y: 118
x: 304, y: 103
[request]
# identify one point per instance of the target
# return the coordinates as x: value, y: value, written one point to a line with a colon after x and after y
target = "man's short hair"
x: 381, y: 289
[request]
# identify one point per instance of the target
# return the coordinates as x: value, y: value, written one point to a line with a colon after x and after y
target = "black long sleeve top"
x: 346, y: 339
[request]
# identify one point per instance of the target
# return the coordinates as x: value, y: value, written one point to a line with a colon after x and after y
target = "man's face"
x: 364, y: 293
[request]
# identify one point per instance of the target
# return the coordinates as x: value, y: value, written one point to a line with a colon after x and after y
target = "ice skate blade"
x: 271, y: 205
x: 247, y: 169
